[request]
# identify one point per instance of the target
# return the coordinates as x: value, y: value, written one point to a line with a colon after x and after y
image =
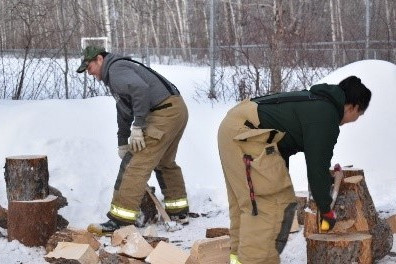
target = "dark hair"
x: 104, y: 53
x: 356, y: 93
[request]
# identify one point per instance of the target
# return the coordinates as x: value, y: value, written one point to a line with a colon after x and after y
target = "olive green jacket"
x: 312, y: 127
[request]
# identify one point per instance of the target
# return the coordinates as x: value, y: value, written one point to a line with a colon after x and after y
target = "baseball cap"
x: 89, y: 53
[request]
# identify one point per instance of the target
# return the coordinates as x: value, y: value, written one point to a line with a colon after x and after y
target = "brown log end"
x: 217, y: 232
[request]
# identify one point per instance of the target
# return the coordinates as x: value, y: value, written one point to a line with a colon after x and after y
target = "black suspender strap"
x: 270, y: 99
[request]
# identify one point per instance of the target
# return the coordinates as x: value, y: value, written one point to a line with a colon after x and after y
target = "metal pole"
x: 367, y: 29
x: 212, y: 92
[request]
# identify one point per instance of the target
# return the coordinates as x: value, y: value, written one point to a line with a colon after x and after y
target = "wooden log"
x: 3, y: 217
x: 32, y: 222
x: 392, y: 223
x: 302, y: 203
x: 310, y: 224
x: 26, y: 177
x: 339, y: 248
x: 68, y: 252
x: 350, y: 171
x: 217, y: 232
x: 355, y: 203
x: 113, y: 258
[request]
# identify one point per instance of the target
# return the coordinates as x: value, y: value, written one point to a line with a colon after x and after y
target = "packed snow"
x: 79, y: 138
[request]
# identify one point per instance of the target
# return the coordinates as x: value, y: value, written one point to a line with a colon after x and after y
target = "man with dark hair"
x: 256, y: 139
x: 151, y: 117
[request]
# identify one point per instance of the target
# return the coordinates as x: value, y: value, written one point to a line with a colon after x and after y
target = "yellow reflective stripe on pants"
x: 234, y: 259
x: 176, y: 204
x: 123, y: 213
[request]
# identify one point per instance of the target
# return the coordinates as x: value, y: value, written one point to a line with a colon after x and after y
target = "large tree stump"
x: 356, y: 213
x: 339, y: 248
x: 26, y: 177
x: 32, y: 222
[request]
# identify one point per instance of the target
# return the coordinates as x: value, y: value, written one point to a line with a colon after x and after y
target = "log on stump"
x: 32, y: 222
x: 302, y: 203
x: 350, y: 171
x: 26, y: 177
x: 3, y: 217
x: 339, y: 248
x: 354, y: 202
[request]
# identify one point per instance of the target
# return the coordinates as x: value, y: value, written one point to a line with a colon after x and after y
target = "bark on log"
x: 339, y: 248
x: 26, y: 177
x: 354, y: 202
x: 32, y: 222
x: 302, y: 203
x: 3, y: 217
x: 217, y: 232
x: 310, y: 224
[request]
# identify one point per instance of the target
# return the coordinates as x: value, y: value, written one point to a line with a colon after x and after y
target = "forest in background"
x: 259, y: 46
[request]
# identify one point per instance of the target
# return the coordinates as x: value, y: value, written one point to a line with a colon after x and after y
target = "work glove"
x: 122, y: 150
x: 328, y: 220
x: 137, y: 139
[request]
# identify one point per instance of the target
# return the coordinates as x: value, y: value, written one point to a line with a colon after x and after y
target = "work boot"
x: 182, y: 218
x: 104, y: 228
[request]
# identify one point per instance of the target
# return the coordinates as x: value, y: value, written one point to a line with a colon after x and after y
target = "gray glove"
x: 137, y: 139
x: 122, y: 150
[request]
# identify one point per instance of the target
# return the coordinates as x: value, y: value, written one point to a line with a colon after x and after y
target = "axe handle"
x: 338, y: 176
x: 157, y: 203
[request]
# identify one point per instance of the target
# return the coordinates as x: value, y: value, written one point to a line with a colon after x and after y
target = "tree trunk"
x: 26, y: 178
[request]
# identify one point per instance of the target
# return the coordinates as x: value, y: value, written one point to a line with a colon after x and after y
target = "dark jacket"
x: 136, y: 91
x: 312, y: 127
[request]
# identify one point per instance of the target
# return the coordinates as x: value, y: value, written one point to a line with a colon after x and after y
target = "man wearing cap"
x: 151, y: 117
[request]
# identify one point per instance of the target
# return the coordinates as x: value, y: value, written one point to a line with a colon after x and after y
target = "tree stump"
x: 32, y: 222
x: 339, y: 248
x: 26, y: 177
x: 356, y: 213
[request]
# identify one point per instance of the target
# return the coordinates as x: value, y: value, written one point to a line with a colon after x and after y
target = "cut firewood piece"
x: 70, y: 235
x: 339, y: 248
x: 150, y: 231
x: 3, y: 217
x: 217, y: 232
x: 154, y: 241
x: 302, y: 203
x: 32, y: 222
x: 79, y: 253
x: 113, y: 258
x: 295, y: 226
x: 210, y: 251
x: 120, y: 234
x: 350, y: 171
x: 392, y: 223
x: 166, y: 253
x: 26, y: 177
x: 310, y: 223
x: 134, y: 245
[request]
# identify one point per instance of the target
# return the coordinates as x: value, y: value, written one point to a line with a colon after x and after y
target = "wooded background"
x: 259, y: 46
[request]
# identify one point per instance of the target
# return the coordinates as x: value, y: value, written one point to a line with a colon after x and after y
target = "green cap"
x: 89, y: 53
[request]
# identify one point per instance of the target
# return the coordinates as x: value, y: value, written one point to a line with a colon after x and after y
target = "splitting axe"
x: 338, y: 176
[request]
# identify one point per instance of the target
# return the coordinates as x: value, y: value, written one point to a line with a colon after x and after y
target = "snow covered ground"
x: 79, y: 138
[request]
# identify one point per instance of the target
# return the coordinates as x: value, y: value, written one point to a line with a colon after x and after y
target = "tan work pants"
x: 255, y: 238
x: 164, y: 130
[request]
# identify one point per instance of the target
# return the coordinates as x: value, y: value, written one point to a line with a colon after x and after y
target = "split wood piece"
x: 392, y: 223
x: 154, y: 241
x: 339, y: 248
x: 310, y: 223
x: 150, y: 231
x: 70, y: 235
x: 166, y: 253
x: 349, y: 172
x: 80, y: 253
x: 355, y: 203
x: 26, y: 177
x: 3, y: 217
x: 295, y: 227
x: 210, y: 251
x: 32, y: 222
x: 133, y: 244
x: 217, y: 232
x: 112, y: 258
x: 302, y: 203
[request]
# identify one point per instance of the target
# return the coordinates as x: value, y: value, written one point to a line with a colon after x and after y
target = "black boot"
x: 104, y: 228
